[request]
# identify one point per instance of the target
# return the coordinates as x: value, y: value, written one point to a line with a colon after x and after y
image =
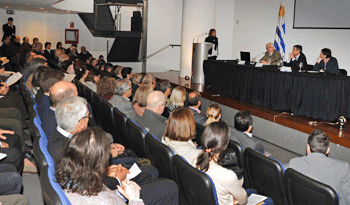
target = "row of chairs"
x: 262, y: 173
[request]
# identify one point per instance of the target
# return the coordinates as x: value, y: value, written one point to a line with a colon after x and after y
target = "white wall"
x: 51, y: 27
x: 257, y: 23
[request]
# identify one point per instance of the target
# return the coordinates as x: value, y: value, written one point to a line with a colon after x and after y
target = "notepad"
x: 254, y: 199
x: 134, y: 171
x: 2, y: 156
x: 241, y: 62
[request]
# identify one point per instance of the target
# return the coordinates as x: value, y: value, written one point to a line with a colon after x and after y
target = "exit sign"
x: 10, y: 11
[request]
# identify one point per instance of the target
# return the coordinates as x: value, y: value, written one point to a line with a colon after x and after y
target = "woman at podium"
x: 213, y: 52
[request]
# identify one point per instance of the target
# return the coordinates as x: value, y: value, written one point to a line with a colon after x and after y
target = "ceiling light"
x: 68, y: 11
x: 41, y: 8
x: 7, y: 7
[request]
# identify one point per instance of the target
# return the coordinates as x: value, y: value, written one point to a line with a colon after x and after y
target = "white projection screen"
x: 322, y: 14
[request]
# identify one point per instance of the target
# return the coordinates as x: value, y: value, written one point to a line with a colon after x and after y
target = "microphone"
x: 198, y: 36
x: 260, y: 54
x: 314, y: 61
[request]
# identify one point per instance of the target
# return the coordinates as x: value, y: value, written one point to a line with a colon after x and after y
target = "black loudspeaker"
x: 136, y: 21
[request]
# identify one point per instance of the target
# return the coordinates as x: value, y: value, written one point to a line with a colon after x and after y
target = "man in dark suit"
x: 152, y: 120
x: 9, y: 29
x: 121, y: 99
x: 194, y: 103
x: 48, y: 54
x: 242, y: 132
x: 297, y: 59
x: 38, y: 49
x: 317, y: 165
x: 326, y: 62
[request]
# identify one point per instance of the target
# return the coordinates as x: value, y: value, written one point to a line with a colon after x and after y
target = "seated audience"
x: 107, y: 70
x: 136, y: 81
x: 326, y: 62
x: 213, y: 113
x: 38, y: 50
x: 215, y: 140
x: 30, y: 69
x: 121, y: 99
x: 48, y: 54
x: 179, y: 133
x: 151, y: 120
x: 271, y: 57
x: 83, y: 73
x: 165, y: 87
x: 10, y: 144
x: 106, y: 88
x: 333, y: 172
x: 194, y: 103
x: 118, y: 72
x: 127, y: 73
x: 242, y: 132
x: 139, y: 101
x: 177, y: 98
x: 149, y: 80
x: 81, y: 169
x: 84, y: 55
x: 92, y: 79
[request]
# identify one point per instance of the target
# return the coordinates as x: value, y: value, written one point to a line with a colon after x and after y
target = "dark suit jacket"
x: 49, y: 122
x: 199, y: 118
x: 213, y: 40
x: 246, y: 141
x: 295, y: 64
x: 331, y: 66
x: 333, y: 172
x: 6, y: 51
x: 49, y: 55
x: 8, y: 31
x: 43, y: 106
x: 152, y: 123
x: 56, y: 143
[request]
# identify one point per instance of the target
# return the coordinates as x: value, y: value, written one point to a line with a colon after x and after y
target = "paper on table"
x: 259, y: 65
x: 255, y: 199
x: 241, y: 62
x: 13, y: 78
x: 134, y: 171
x: 285, y: 69
x: 2, y: 156
x: 68, y: 77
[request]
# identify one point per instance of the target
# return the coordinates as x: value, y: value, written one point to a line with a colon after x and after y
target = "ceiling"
x: 33, y: 5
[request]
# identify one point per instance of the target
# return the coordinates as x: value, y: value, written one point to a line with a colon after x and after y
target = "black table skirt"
x: 313, y: 95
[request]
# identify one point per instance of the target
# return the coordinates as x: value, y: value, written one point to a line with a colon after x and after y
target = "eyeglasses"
x: 89, y: 116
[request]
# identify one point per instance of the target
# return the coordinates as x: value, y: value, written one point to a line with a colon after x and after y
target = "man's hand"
x: 117, y: 148
x: 4, y: 88
x: 4, y: 145
x: 118, y: 171
x: 5, y: 132
x: 264, y: 62
x: 291, y: 56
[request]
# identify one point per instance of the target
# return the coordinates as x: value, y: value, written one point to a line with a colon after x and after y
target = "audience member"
x: 5, y: 48
x: 326, y: 62
x: 121, y: 99
x: 84, y: 55
x: 151, y: 120
x: 333, y: 172
x: 106, y: 88
x: 127, y: 73
x: 136, y: 81
x: 107, y: 69
x: 139, y: 102
x: 11, y: 180
x: 38, y: 49
x: 118, y: 72
x: 48, y: 54
x: 92, y: 79
x: 215, y: 140
x: 194, y: 103
x: 177, y: 98
x: 83, y: 73
x: 149, y: 80
x: 179, y: 133
x: 30, y: 69
x: 213, y: 113
x: 9, y: 29
x: 271, y: 57
x: 35, y: 42
x: 165, y: 87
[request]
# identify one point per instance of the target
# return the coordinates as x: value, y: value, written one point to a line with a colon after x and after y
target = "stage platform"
x: 299, y: 123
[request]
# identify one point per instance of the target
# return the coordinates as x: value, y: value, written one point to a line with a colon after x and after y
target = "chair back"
x: 265, y: 175
x: 39, y: 155
x: 107, y: 113
x: 161, y: 156
x: 343, y: 72
x: 199, y: 132
x: 137, y: 139
x: 240, y: 157
x: 81, y: 89
x: 51, y: 190
x: 96, y: 109
x: 120, y: 124
x: 302, y: 190
x: 196, y: 186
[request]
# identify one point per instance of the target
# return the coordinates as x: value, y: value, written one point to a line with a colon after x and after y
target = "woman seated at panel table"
x: 326, y: 62
x: 179, y: 133
x: 81, y: 169
x: 215, y: 139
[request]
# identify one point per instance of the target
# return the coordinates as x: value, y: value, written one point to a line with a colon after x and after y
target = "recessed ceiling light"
x: 7, y: 7
x: 68, y: 11
x: 41, y: 8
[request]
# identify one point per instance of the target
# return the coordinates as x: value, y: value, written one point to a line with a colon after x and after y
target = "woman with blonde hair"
x: 213, y: 113
x: 179, y: 133
x: 139, y: 101
x: 177, y: 98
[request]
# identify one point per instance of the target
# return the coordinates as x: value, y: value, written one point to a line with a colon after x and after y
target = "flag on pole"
x: 280, y: 35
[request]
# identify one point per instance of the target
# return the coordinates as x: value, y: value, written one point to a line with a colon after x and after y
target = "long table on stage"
x: 314, y: 95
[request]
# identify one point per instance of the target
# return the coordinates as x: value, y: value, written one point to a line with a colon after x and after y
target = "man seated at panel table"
x: 326, y: 62
x: 271, y: 57
x: 297, y: 59
x: 317, y: 165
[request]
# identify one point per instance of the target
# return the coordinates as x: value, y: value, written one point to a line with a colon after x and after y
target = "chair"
x: 96, y: 103
x: 265, y: 175
x: 161, y: 156
x: 302, y: 190
x: 137, y: 137
x: 343, y: 72
x: 107, y: 113
x: 51, y: 190
x: 195, y: 185
x: 199, y: 131
x: 38, y: 154
x: 240, y: 156
x: 120, y: 125
x: 81, y: 89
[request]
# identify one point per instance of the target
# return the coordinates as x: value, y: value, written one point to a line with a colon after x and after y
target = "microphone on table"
x: 260, y: 54
x: 313, y: 62
x: 198, y: 36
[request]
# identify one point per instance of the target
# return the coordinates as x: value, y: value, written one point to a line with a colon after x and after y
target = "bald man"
x: 152, y: 120
x: 194, y: 103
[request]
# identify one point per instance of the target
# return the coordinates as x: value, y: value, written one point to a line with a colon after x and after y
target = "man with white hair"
x: 121, y: 99
x: 152, y: 120
x: 271, y: 57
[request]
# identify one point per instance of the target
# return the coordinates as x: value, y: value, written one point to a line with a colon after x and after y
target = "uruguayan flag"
x: 281, y: 31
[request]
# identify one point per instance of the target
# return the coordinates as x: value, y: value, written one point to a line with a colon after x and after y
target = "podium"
x: 200, y: 53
